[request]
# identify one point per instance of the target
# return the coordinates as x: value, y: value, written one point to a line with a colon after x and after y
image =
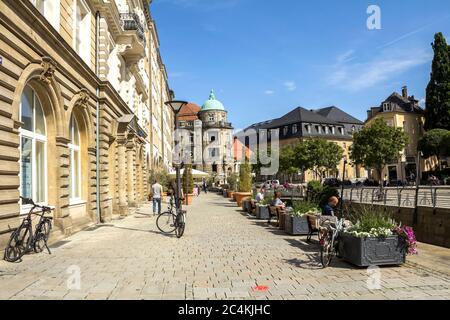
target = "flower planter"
x: 249, y: 206
x: 230, y: 194
x: 188, y: 199
x: 241, y: 196
x: 225, y: 192
x: 262, y: 212
x: 297, y: 226
x: 365, y: 252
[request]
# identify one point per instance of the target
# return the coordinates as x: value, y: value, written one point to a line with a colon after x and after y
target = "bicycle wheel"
x: 326, y: 251
x: 42, y: 235
x: 17, y: 244
x: 166, y: 222
x: 181, y: 225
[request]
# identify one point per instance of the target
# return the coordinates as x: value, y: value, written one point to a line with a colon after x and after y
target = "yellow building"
x: 331, y: 124
x: 75, y: 108
x: 402, y: 111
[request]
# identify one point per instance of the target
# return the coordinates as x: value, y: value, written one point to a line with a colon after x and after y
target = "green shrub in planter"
x: 297, y: 221
x: 373, y: 240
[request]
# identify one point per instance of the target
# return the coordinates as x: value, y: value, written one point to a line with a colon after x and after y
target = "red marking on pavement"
x: 261, y: 288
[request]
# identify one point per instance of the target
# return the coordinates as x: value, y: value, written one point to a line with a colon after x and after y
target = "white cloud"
x: 269, y: 92
x: 356, y: 76
x: 346, y: 56
x: 290, y: 85
x: 422, y: 102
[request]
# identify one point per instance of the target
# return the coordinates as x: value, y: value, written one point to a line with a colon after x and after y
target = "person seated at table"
x: 330, y: 208
x: 277, y: 201
x: 260, y: 195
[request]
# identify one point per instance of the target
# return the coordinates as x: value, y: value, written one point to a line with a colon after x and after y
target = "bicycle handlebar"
x: 31, y: 202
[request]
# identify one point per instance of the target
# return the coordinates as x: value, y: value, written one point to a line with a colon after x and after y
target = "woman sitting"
x: 277, y: 201
x: 277, y: 205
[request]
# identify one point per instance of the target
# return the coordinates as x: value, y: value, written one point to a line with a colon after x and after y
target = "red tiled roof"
x: 189, y: 112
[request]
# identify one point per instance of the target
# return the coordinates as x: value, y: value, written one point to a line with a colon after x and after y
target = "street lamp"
x: 343, y: 182
x: 176, y: 107
x: 418, y: 179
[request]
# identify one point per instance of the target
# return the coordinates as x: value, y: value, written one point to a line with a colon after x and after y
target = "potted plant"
x: 188, y: 185
x: 245, y: 183
x: 225, y: 188
x: 375, y: 240
x: 262, y: 209
x: 232, y: 182
x: 296, y: 223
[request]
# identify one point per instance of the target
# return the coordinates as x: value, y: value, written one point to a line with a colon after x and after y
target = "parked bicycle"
x: 329, y: 240
x: 173, y: 220
x: 23, y: 240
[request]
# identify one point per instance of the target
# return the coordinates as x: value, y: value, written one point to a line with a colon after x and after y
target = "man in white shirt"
x: 157, y: 190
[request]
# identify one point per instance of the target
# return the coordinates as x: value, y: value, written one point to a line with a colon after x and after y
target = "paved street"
x: 224, y: 255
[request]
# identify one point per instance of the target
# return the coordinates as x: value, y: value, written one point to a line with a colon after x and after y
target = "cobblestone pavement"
x: 224, y: 255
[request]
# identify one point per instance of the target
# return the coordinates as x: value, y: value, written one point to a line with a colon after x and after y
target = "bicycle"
x: 23, y: 240
x: 329, y: 241
x: 169, y: 222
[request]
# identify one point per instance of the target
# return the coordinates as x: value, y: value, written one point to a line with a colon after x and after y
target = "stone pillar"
x: 131, y: 174
x: 92, y: 196
x: 122, y: 177
x: 62, y: 215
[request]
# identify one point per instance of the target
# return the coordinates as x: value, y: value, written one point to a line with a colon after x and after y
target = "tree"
x: 437, y: 113
x: 245, y: 177
x: 318, y: 155
x: 188, y: 180
x: 288, y: 162
x: 434, y: 143
x: 377, y: 145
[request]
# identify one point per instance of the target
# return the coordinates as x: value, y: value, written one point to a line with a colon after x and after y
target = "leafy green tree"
x: 377, y: 145
x: 188, y: 180
x: 437, y: 111
x: 434, y: 144
x: 288, y: 161
x: 318, y: 155
x: 245, y: 177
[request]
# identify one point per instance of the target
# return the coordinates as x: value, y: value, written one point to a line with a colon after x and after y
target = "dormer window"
x: 294, y: 129
x: 308, y: 128
x: 387, y: 107
x: 318, y: 129
x: 285, y: 130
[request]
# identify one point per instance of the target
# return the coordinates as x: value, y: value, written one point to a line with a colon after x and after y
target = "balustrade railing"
x: 130, y: 22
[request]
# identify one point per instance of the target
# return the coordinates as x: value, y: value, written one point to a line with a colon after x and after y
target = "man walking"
x: 157, y: 190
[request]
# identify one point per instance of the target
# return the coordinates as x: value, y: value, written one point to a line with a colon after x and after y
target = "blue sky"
x: 264, y: 58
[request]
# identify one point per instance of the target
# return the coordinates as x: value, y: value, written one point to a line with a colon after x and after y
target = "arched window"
x: 75, y: 161
x: 33, y: 148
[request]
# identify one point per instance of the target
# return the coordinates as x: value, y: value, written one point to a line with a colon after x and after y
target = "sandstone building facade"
x: 331, y: 124
x: 80, y: 83
x: 212, y: 135
x: 402, y: 111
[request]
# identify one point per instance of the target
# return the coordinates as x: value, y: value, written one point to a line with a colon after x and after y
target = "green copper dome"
x: 213, y: 103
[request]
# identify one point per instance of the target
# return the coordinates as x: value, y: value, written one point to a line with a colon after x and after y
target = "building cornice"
x: 26, y: 11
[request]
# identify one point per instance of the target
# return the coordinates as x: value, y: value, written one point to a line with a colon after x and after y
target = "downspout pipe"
x: 97, y: 116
